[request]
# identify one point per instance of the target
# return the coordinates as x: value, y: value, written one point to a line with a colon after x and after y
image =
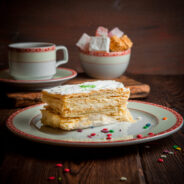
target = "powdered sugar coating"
x: 95, y: 86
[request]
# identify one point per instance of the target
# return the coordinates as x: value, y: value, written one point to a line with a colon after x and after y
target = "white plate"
x: 62, y: 75
x: 26, y: 123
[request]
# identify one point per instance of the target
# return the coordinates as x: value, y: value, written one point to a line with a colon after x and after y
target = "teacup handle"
x: 65, y: 54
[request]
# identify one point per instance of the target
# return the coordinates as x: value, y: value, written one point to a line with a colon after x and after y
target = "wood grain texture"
x: 23, y: 161
x: 155, y: 27
x: 23, y: 99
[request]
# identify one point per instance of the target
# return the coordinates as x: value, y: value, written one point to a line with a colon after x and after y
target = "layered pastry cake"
x: 87, y: 104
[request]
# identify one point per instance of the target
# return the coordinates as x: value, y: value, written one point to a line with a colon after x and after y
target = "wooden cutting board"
x: 23, y: 99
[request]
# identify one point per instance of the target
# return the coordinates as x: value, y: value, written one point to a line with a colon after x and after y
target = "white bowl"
x: 105, y: 65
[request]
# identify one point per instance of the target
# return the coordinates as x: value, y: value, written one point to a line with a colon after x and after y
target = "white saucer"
x: 62, y: 75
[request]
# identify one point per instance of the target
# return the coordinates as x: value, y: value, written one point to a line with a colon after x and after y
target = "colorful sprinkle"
x: 108, y: 138
x: 175, y: 146
x: 160, y: 160
x: 51, y: 178
x: 147, y: 125
x: 79, y: 130
x: 92, y: 126
x: 164, y: 118
x: 119, y: 130
x: 139, y: 136
x: 59, y: 178
x: 89, y: 136
x: 151, y: 133
x: 59, y: 165
x: 166, y: 151
x: 105, y: 131
x: 93, y: 134
x: 171, y: 153
x: 163, y: 156
x: 123, y: 178
x: 109, y: 135
x: 178, y: 148
x: 66, y: 170
x: 87, y: 86
x: 111, y: 131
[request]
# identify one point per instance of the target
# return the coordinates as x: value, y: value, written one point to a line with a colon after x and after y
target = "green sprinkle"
x: 145, y: 127
x: 87, y: 86
x: 175, y: 146
x: 59, y: 178
x: 111, y: 131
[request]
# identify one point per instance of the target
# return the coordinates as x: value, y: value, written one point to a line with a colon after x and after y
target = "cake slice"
x: 89, y: 97
x: 84, y: 105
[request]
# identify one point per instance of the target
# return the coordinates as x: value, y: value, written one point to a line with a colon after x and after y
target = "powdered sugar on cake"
x: 86, y: 87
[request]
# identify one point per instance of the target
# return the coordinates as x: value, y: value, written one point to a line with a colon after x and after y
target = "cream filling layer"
x: 96, y: 119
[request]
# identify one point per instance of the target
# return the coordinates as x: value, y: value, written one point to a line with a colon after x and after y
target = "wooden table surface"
x: 156, y: 28
x: 26, y: 162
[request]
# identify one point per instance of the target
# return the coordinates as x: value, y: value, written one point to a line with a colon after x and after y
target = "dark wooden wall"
x: 156, y: 28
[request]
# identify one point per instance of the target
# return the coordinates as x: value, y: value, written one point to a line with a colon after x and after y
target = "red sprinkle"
x: 79, y: 130
x: 67, y: 170
x: 109, y: 135
x: 160, y: 160
x: 51, y: 178
x: 151, y: 133
x: 139, y: 136
x: 105, y: 131
x: 89, y: 136
x: 108, y: 138
x: 93, y: 134
x: 59, y: 165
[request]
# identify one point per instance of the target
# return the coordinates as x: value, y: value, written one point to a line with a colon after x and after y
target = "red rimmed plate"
x: 26, y: 123
x: 62, y: 75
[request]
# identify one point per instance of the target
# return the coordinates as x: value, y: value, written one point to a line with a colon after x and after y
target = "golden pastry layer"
x: 54, y: 120
x: 85, y: 103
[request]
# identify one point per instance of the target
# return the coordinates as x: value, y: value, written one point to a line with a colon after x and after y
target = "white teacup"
x: 34, y: 60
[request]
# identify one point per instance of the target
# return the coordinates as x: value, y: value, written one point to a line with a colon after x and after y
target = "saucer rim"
x: 73, y: 74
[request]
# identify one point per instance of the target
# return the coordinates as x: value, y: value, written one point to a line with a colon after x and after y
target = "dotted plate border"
x: 175, y: 127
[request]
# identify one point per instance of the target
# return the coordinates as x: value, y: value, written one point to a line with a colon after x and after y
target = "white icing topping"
x: 86, y: 87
